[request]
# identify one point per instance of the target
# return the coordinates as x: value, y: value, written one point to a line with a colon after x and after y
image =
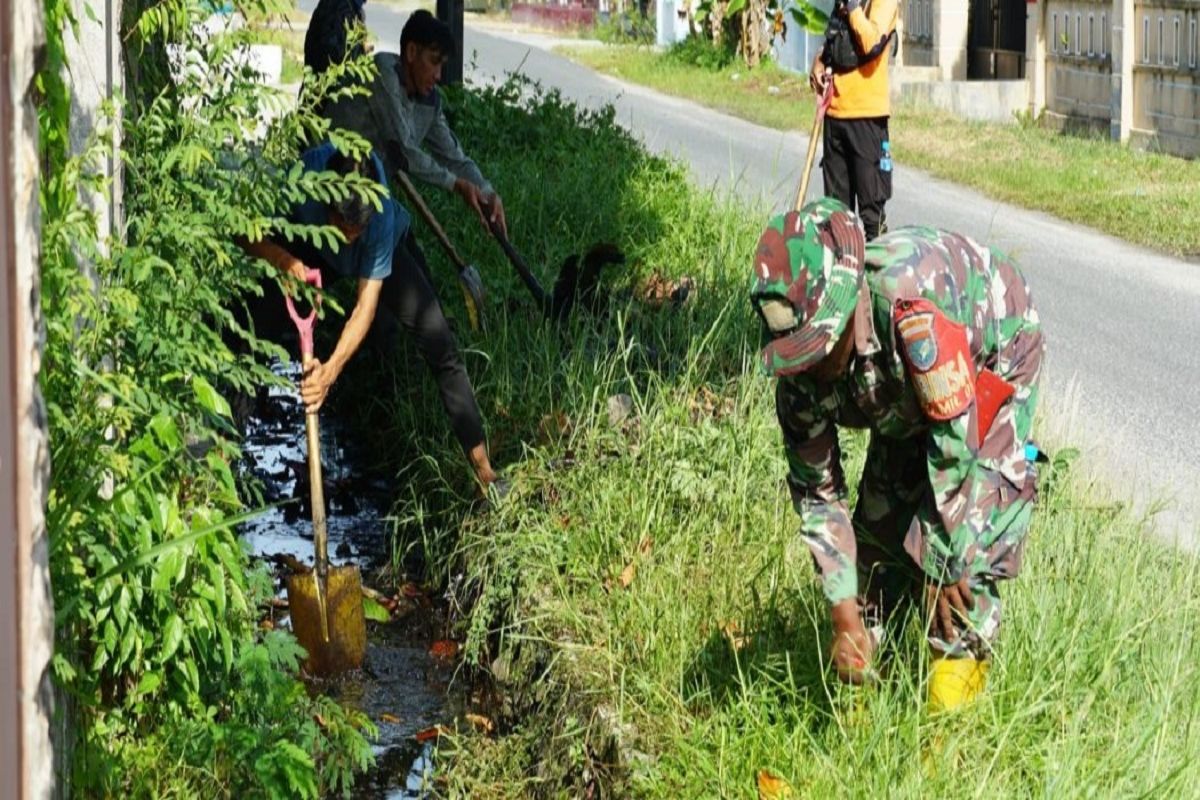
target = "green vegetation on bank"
x: 642, y: 601
x: 1142, y: 197
x: 168, y: 687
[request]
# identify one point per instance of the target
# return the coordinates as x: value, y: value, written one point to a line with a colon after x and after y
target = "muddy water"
x: 402, y: 688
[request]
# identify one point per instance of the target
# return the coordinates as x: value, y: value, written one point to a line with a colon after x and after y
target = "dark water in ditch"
x: 402, y: 687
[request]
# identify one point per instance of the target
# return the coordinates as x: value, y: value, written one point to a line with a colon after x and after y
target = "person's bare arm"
x: 276, y: 256
x: 320, y: 376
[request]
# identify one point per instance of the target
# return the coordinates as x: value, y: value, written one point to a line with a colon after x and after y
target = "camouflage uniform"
x: 932, y: 494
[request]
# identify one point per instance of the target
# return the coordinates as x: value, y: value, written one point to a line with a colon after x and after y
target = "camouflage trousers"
x: 895, y: 523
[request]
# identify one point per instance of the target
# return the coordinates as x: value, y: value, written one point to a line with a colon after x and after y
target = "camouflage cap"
x: 807, y: 273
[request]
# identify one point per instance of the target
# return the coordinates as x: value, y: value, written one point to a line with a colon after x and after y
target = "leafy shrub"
x: 170, y: 682
x: 627, y: 27
x: 698, y: 51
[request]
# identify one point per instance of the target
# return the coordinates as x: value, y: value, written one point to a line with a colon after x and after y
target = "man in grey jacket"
x: 402, y: 117
x: 403, y: 120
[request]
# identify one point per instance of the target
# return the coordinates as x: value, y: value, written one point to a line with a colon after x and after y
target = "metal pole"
x: 451, y: 13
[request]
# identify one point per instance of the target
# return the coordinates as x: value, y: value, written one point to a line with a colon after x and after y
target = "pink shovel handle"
x: 305, y: 325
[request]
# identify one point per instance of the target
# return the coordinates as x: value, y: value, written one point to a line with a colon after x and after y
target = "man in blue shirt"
x: 373, y: 257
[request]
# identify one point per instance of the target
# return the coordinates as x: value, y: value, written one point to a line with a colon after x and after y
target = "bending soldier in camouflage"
x: 931, y: 341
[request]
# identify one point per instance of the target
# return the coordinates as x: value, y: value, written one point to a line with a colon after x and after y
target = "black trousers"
x: 407, y: 302
x: 850, y: 166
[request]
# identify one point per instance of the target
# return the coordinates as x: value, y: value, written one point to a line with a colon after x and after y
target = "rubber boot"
x: 956, y: 682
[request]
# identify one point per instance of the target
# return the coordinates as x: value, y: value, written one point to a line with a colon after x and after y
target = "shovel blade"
x: 347, y: 645
x: 473, y: 295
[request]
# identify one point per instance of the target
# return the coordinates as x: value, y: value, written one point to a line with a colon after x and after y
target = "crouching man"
x: 931, y: 341
x: 388, y: 280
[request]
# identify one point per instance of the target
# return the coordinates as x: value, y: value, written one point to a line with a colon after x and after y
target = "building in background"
x: 1131, y: 69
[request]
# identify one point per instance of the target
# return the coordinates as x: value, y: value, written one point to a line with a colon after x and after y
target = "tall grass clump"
x: 641, y: 600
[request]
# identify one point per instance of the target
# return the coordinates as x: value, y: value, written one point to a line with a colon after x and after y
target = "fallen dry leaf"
x: 772, y: 787
x: 444, y: 649
x: 481, y: 722
x: 411, y: 590
x: 657, y: 291
x: 628, y: 574
x: 392, y: 718
x: 554, y: 426
x: 644, y: 548
x: 733, y: 632
x: 429, y: 734
x: 708, y: 403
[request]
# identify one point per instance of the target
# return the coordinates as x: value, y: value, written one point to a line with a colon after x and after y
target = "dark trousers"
x: 409, y: 301
x: 850, y: 166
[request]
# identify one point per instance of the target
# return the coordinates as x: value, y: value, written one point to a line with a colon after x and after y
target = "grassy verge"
x: 641, y: 599
x: 1142, y: 197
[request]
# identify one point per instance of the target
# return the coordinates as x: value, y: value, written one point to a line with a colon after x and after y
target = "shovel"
x: 468, y: 276
x: 326, y: 604
x: 573, y: 284
x: 818, y: 119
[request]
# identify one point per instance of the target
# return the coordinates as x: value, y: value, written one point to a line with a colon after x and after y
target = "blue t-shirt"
x: 370, y: 255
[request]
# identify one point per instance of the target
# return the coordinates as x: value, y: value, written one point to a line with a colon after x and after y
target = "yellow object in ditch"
x: 336, y: 607
x: 956, y: 682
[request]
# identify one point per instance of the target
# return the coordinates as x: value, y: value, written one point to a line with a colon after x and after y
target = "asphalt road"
x: 1122, y: 323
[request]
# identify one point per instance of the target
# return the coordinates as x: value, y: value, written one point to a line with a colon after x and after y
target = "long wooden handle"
x: 317, y: 490
x: 415, y: 198
x: 531, y: 283
x: 818, y: 119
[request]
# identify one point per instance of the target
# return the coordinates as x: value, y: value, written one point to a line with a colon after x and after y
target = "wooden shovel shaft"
x: 316, y: 485
x: 320, y: 534
x: 415, y: 198
x: 818, y: 119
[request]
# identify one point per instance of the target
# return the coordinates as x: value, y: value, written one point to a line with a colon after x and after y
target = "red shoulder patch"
x: 938, y: 358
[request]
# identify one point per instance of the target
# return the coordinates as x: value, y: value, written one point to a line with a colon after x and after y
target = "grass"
x: 642, y: 601
x: 1143, y: 197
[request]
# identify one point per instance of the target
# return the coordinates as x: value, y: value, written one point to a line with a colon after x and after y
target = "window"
x: 1054, y: 34
x: 1091, y: 35
x: 1145, y: 40
x: 1161, y: 50
x: 1103, y: 35
x: 1078, y: 33
x: 1192, y: 54
x: 1178, y: 41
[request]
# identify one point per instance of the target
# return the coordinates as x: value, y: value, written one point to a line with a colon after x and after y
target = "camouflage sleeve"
x: 817, y: 484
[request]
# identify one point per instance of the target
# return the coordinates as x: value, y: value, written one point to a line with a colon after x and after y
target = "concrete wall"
x: 1166, y: 75
x: 96, y: 75
x: 991, y: 101
x: 933, y: 33
x: 916, y: 34
x: 1132, y: 68
x: 1078, y: 71
x: 26, y: 610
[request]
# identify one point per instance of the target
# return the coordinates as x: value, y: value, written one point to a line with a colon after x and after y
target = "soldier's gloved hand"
x: 853, y: 649
x: 948, y: 605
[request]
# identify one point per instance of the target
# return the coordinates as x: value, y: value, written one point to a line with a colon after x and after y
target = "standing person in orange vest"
x: 857, y: 159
